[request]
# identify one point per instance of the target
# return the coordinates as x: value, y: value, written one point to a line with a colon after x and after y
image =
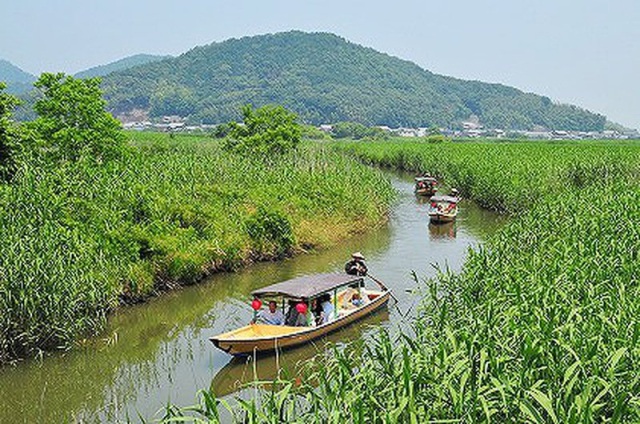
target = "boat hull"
x: 426, y: 192
x: 286, y: 336
x: 437, y: 218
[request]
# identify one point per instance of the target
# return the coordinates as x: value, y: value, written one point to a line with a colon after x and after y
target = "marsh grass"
x: 540, y: 326
x: 77, y: 240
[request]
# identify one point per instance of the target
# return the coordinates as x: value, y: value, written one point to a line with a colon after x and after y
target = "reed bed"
x: 78, y: 240
x: 540, y: 326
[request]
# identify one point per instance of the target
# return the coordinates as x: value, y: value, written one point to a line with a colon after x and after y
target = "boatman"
x: 356, y: 265
x: 272, y: 316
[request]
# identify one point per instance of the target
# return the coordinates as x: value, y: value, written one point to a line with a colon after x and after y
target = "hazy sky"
x: 585, y: 52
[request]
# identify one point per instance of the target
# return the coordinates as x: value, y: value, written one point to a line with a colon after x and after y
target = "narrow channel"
x: 159, y: 351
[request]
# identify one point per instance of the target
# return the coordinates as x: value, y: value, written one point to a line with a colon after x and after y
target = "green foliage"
x: 270, y: 231
x: 540, y: 325
x: 72, y: 121
x: 325, y: 79
x: 357, y: 131
x: 268, y: 130
x: 7, y: 135
x: 436, y: 138
x: 309, y: 132
x: 170, y: 99
x: 78, y: 239
x: 221, y: 131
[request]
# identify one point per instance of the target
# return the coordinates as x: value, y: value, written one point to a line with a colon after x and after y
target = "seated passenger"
x: 347, y: 296
x: 272, y: 316
x: 356, y: 300
x: 292, y: 314
x: 306, y: 320
x: 327, y: 314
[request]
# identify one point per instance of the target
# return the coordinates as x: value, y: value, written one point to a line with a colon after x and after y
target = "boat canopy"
x: 426, y: 179
x: 448, y: 199
x: 308, y: 286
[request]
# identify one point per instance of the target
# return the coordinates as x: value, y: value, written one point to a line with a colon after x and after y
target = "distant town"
x: 470, y: 129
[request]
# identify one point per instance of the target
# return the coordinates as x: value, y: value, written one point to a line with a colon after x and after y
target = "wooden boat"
x: 426, y: 186
x: 239, y: 371
x: 443, y: 209
x: 265, y: 337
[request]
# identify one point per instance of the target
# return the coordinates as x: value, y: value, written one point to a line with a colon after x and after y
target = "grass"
x: 540, y: 326
x: 78, y: 240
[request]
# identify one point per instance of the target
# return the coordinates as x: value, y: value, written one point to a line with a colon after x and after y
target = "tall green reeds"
x: 77, y: 240
x: 540, y: 326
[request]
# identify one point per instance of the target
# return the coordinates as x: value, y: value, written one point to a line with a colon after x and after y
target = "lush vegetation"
x: 268, y: 130
x: 88, y: 220
x: 325, y: 79
x: 119, y: 65
x: 540, y: 326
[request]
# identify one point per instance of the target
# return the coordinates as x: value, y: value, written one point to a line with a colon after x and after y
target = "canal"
x: 158, y: 352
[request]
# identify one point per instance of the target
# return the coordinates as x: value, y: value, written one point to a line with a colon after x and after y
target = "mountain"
x: 326, y: 79
x: 119, y: 65
x: 17, y: 80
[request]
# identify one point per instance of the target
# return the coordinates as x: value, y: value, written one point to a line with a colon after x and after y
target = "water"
x: 159, y: 351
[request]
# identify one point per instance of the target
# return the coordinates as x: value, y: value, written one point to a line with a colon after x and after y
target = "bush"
x: 271, y: 232
x: 268, y: 130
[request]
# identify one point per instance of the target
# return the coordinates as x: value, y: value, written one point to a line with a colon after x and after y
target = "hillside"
x: 17, y: 80
x: 119, y: 65
x: 326, y: 79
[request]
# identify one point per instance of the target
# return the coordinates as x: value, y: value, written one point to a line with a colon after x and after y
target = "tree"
x: 72, y: 121
x: 7, y: 134
x: 271, y: 129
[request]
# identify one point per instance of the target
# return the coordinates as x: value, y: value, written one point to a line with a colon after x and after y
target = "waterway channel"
x: 158, y: 352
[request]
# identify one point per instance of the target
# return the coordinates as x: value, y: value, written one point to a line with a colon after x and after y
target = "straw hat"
x: 358, y: 255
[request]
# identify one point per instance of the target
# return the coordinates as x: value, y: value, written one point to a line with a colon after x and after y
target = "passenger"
x: 356, y: 300
x: 316, y: 311
x: 272, y: 316
x: 347, y: 296
x: 305, y: 318
x: 327, y: 314
x: 356, y: 266
x: 454, y: 193
x: 292, y: 314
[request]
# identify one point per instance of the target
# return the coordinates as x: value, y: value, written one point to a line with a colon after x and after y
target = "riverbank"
x: 541, y: 324
x: 79, y: 240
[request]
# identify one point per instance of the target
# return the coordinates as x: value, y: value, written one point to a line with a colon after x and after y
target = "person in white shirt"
x: 272, y: 316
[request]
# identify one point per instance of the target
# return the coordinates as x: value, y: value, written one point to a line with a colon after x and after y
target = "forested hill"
x: 119, y: 65
x: 17, y: 80
x: 326, y: 79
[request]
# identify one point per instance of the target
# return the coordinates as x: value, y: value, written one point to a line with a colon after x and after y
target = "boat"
x: 426, y: 186
x: 240, y: 371
x: 443, y: 209
x: 258, y: 337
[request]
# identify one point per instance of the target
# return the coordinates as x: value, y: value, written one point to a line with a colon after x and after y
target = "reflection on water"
x: 159, y: 351
x: 442, y: 231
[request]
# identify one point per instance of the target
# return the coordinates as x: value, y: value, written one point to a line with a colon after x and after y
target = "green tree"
x: 7, y: 134
x: 72, y: 121
x: 271, y: 129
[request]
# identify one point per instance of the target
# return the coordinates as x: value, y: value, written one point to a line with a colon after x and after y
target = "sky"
x: 583, y: 52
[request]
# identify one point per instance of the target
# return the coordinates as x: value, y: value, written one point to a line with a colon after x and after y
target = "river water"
x: 158, y: 352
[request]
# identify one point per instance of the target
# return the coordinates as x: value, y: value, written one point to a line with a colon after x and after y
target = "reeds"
x: 77, y: 240
x: 540, y: 326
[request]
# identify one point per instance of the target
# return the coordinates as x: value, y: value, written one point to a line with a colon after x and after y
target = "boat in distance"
x: 426, y: 186
x: 443, y: 209
x: 261, y: 337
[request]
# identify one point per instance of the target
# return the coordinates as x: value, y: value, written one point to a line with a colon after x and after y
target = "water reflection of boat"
x: 446, y: 230
x: 443, y: 209
x: 266, y: 337
x: 426, y: 186
x: 240, y: 370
